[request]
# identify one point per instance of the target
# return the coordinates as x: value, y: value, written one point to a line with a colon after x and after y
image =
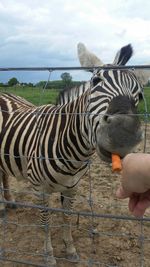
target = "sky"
x: 46, y: 33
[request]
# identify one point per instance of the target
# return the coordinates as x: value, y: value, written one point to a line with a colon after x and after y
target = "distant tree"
x: 66, y: 77
x: 30, y: 84
x: 24, y: 84
x: 41, y: 84
x: 59, y: 84
x: 13, y: 81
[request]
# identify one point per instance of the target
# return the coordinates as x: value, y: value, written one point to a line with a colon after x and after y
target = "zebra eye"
x: 96, y: 80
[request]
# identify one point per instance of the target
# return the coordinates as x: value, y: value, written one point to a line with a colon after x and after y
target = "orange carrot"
x: 116, y: 163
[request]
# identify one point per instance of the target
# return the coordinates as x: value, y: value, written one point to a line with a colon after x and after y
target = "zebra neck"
x: 78, y: 125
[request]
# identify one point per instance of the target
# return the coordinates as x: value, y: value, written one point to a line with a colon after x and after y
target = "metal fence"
x: 105, y: 233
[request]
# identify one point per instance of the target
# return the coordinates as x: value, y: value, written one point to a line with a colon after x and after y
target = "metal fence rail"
x: 105, y: 67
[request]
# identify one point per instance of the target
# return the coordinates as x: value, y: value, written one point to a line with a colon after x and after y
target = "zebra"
x: 51, y: 145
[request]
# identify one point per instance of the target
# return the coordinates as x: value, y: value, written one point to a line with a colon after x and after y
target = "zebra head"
x: 114, y: 95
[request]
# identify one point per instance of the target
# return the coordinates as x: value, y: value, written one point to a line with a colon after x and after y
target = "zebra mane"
x: 70, y: 94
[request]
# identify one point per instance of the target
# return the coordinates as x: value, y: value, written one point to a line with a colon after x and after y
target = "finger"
x: 121, y: 193
x: 133, y: 200
x: 141, y: 207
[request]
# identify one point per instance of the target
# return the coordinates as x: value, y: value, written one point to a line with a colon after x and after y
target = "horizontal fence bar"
x: 105, y: 67
x: 35, y: 111
x: 27, y: 263
x: 78, y: 213
x: 88, y: 262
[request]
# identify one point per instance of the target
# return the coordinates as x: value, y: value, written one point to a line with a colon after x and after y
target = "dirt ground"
x: 104, y: 242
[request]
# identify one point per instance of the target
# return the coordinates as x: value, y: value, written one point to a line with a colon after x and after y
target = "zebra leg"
x: 45, y: 217
x: 6, y: 188
x: 2, y: 206
x: 67, y: 199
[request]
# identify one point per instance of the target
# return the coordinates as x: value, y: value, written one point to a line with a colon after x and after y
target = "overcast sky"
x: 46, y: 33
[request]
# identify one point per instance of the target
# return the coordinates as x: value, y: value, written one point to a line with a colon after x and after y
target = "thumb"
x: 122, y: 193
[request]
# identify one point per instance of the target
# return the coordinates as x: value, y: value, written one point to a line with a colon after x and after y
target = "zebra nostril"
x: 107, y: 119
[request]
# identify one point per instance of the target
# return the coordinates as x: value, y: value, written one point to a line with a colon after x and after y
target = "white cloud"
x: 45, y: 33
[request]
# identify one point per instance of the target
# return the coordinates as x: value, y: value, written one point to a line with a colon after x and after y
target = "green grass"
x: 141, y: 106
x: 37, y: 96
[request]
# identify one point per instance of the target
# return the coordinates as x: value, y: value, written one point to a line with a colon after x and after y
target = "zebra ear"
x: 86, y: 58
x: 143, y: 75
x: 123, y: 55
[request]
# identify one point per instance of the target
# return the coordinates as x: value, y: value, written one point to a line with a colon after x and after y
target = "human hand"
x: 135, y: 183
x: 138, y: 202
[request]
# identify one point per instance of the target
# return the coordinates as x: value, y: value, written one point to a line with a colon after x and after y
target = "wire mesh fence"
x: 105, y: 234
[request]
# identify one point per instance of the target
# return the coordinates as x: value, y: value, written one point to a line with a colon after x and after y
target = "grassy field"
x: 147, y: 98
x: 39, y: 97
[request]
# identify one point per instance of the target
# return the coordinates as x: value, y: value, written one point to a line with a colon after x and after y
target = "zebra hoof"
x: 51, y: 261
x: 73, y: 257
